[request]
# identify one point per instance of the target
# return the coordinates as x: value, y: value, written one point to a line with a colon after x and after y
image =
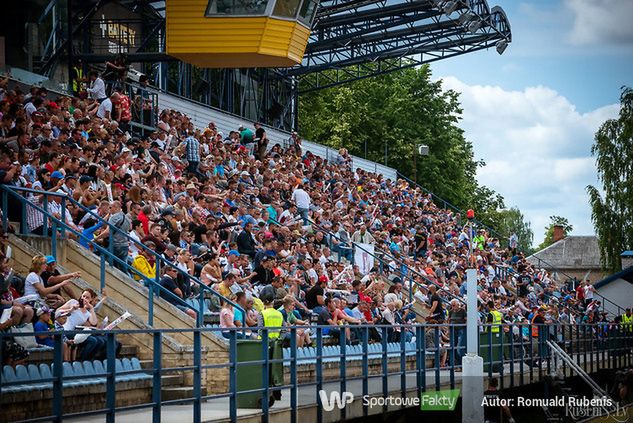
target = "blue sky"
x: 532, y: 112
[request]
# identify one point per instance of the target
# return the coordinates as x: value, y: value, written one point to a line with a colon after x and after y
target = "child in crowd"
x: 43, y: 326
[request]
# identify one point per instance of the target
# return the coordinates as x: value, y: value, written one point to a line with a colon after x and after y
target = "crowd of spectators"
x: 259, y: 223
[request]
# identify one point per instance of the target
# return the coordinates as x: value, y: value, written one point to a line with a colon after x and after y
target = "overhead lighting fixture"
x: 474, y: 26
x: 450, y: 6
x: 502, y: 46
x: 466, y: 17
x: 423, y: 150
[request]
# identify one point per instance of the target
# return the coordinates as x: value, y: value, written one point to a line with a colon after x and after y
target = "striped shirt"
x: 193, y: 149
x: 34, y: 217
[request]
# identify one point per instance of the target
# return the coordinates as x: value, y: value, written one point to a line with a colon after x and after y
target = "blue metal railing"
x: 447, y: 205
x: 546, y: 264
x: 377, y: 257
x: 105, y: 254
x: 416, y: 365
x: 436, y: 199
x: 380, y: 258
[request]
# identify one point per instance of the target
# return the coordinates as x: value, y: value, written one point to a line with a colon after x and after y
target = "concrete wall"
x: 21, y: 406
x: 618, y: 291
x: 595, y: 275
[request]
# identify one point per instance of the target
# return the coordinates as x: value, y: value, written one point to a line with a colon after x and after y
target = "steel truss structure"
x: 350, y: 40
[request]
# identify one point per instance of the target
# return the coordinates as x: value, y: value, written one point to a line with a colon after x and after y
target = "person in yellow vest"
x: 78, y: 79
x: 495, y: 318
x: 627, y: 328
x: 272, y: 318
x: 627, y: 321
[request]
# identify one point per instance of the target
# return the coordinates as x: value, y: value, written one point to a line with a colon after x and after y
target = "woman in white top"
x: 34, y: 285
x: 82, y: 313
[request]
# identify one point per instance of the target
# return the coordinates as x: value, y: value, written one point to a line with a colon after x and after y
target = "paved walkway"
x: 217, y: 410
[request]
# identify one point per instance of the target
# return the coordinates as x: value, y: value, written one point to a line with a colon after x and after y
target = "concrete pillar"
x: 472, y: 364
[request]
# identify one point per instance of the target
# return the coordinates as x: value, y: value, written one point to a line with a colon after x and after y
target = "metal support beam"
x: 350, y: 40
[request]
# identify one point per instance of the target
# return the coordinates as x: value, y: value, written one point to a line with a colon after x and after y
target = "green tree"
x: 549, y: 230
x: 612, y: 210
x: 385, y: 118
x: 488, y: 206
x: 395, y: 113
x: 512, y: 221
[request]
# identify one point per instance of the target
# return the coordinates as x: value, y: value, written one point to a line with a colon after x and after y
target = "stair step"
x: 147, y: 364
x: 176, y: 393
x: 129, y: 350
x: 38, y: 356
x: 171, y: 380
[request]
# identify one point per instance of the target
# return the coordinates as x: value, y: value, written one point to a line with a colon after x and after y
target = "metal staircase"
x: 598, y: 392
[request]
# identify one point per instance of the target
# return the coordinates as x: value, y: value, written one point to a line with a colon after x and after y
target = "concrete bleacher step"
x: 147, y: 364
x: 180, y: 392
x: 124, y: 294
x: 420, y: 310
x: 172, y: 380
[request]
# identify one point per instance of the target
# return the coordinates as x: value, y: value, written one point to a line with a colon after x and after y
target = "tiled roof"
x: 572, y: 252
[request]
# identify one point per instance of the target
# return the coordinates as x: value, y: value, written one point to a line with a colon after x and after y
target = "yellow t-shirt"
x: 141, y: 264
x: 258, y: 304
x: 224, y: 290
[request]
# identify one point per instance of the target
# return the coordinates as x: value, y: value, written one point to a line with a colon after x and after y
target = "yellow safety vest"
x: 273, y: 318
x: 80, y: 74
x: 496, y: 321
x: 627, y: 322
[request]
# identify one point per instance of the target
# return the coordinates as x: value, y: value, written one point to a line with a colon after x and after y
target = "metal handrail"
x: 380, y: 260
x: 158, y: 258
x: 493, y: 231
x: 510, y: 357
x: 557, y: 270
x: 451, y: 206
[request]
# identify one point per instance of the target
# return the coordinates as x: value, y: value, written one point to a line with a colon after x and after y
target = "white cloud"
x: 600, y: 21
x: 537, y: 149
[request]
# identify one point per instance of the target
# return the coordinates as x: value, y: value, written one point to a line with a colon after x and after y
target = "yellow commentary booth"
x: 239, y: 33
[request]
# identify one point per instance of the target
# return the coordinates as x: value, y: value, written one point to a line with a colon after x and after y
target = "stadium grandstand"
x: 165, y: 260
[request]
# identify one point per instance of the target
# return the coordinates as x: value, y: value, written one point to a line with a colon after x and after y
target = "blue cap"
x: 57, y: 174
x: 50, y: 259
x: 234, y: 253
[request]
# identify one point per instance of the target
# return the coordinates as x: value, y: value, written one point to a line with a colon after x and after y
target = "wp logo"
x: 335, y: 399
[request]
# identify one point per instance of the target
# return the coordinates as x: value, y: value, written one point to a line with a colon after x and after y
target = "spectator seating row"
x: 331, y: 353
x: 76, y: 373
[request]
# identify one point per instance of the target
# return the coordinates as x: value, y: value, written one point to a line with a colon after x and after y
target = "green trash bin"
x: 488, y: 346
x: 250, y: 376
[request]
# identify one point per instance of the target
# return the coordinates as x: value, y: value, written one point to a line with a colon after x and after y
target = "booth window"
x: 286, y: 8
x: 308, y: 11
x: 236, y: 7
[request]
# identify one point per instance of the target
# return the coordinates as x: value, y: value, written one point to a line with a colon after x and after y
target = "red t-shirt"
x: 580, y: 293
x: 144, y: 221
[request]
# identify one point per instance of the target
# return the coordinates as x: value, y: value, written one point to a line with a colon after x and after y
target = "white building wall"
x: 618, y: 291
